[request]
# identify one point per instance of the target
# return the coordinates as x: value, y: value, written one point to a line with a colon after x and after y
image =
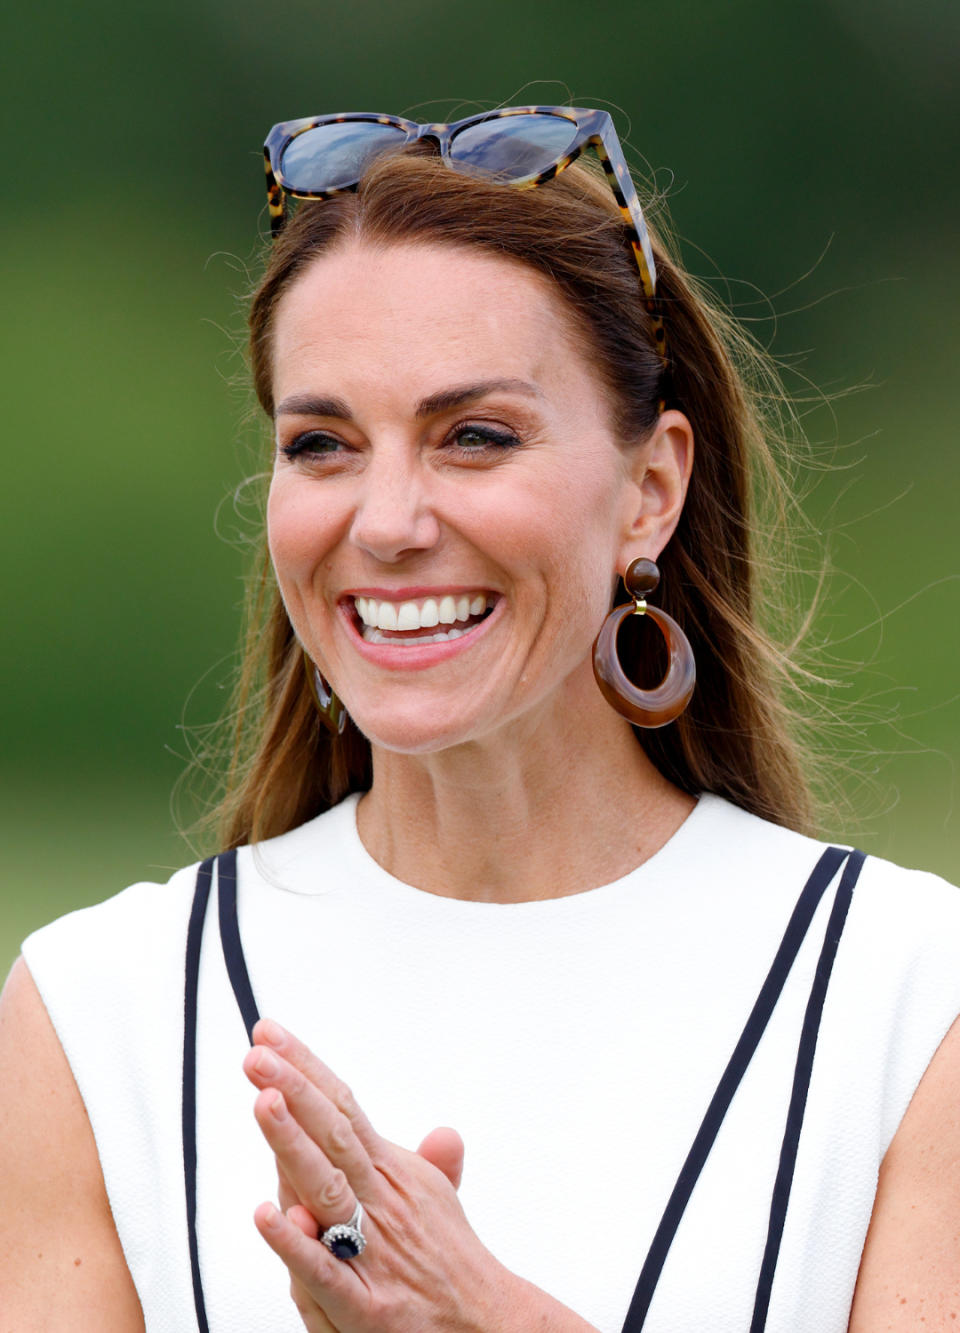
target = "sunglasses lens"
x: 509, y: 148
x: 331, y: 157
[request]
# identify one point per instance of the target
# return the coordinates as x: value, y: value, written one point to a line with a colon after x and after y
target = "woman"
x: 678, y: 1037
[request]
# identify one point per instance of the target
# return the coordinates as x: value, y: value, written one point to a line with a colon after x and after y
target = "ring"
x: 346, y: 1240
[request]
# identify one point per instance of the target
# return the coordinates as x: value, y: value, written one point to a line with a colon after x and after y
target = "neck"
x: 548, y: 807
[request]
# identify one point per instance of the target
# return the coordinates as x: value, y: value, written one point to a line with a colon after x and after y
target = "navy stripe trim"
x: 189, y: 1102
x: 801, y: 1087
x: 230, y: 940
x: 797, y: 927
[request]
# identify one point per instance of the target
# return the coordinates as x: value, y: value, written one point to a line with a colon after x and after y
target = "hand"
x: 424, y: 1268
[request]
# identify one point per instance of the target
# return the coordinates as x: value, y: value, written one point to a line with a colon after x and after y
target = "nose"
x: 393, y: 516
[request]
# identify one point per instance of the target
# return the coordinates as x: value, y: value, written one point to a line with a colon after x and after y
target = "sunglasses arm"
x: 276, y: 198
x: 607, y: 145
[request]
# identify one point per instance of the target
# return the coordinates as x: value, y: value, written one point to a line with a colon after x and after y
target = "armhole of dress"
x: 823, y: 874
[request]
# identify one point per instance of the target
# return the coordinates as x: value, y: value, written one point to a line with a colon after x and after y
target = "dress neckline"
x: 292, y: 862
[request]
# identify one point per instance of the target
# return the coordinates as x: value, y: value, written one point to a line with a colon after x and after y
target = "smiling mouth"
x: 424, y: 620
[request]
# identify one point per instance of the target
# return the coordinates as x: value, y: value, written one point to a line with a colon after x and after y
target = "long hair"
x: 739, y: 736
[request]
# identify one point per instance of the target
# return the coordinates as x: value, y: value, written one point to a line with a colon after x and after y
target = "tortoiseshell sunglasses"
x: 522, y: 146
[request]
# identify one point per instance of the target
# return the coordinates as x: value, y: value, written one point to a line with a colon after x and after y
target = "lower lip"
x: 408, y: 657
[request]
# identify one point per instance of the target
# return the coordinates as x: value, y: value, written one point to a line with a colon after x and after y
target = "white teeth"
x: 374, y: 636
x: 408, y: 617
x: 405, y: 616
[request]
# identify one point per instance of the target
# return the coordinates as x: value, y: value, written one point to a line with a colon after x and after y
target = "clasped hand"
x: 423, y: 1269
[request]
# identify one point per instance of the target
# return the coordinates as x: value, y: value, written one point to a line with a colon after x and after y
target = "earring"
x: 644, y: 708
x: 331, y: 709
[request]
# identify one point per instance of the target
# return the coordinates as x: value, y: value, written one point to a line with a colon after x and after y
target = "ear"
x: 660, y: 469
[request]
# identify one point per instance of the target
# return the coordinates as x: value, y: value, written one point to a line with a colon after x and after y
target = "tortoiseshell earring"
x: 331, y: 709
x: 644, y: 708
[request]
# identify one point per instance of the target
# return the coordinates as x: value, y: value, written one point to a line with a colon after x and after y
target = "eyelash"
x: 497, y: 441
x: 300, y: 444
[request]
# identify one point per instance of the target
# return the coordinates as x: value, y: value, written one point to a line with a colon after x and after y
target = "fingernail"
x: 271, y: 1218
x: 277, y: 1108
x: 265, y: 1064
x: 272, y: 1033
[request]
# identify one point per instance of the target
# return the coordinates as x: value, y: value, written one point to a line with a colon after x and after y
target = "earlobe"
x: 661, y: 474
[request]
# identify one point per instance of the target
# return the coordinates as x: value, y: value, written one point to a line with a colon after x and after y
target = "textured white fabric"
x: 574, y: 1043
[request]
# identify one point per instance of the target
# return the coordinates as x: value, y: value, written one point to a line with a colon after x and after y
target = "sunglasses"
x: 522, y: 146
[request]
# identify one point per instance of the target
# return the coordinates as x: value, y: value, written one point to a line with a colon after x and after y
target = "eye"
x: 312, y: 444
x: 473, y: 438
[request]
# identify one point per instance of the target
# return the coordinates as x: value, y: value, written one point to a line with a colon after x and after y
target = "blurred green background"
x: 809, y: 149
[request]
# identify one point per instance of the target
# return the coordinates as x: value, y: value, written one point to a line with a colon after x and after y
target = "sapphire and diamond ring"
x: 346, y: 1240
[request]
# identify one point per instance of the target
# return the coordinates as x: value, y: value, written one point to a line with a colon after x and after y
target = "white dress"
x: 574, y: 1043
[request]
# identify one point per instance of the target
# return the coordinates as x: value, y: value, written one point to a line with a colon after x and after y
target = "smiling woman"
x: 424, y: 474
x: 702, y: 1066
x: 567, y: 278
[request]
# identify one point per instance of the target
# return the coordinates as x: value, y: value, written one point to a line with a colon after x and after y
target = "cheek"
x: 296, y: 545
x: 294, y: 532
x: 575, y: 524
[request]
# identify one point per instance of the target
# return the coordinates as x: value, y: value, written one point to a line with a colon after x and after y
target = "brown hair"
x: 737, y: 738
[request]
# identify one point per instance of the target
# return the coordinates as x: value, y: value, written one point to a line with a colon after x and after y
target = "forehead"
x: 416, y: 312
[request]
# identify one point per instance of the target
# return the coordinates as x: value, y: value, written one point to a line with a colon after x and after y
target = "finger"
x: 284, y: 1187
x: 316, y: 1275
x: 269, y: 1033
x: 320, y: 1119
x: 303, y: 1219
x: 285, y: 1192
x: 317, y: 1184
x: 443, y: 1148
x: 314, y: 1320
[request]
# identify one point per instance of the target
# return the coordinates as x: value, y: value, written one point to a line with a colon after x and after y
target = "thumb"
x: 443, y: 1148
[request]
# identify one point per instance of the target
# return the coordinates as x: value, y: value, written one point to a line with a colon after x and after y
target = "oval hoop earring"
x: 333, y: 715
x: 644, y: 708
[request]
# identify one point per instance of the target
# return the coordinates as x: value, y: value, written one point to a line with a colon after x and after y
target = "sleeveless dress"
x: 576, y: 1044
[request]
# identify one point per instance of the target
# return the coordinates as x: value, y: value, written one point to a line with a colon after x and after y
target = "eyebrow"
x: 469, y: 393
x: 313, y: 405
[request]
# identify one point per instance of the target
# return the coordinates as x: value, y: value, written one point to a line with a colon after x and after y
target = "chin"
x: 415, y: 733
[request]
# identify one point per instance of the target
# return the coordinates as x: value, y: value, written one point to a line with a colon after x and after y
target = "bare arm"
x: 61, y: 1264
x: 910, y: 1271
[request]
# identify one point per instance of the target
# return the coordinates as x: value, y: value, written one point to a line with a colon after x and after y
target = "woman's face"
x: 449, y: 504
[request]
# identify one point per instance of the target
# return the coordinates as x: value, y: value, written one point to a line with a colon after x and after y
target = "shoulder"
x: 911, y: 918
x: 122, y: 954
x: 897, y: 967
x: 127, y: 937
x: 763, y: 852
x: 903, y: 927
x: 894, y: 989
